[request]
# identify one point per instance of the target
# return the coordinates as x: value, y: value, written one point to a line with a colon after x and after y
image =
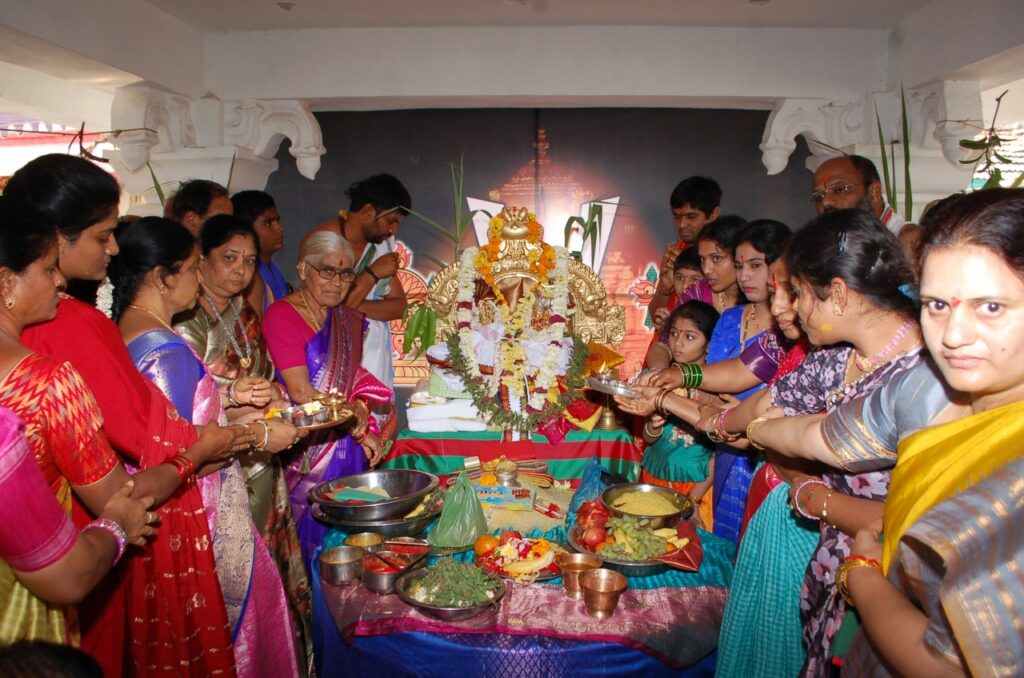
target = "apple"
x: 592, y: 536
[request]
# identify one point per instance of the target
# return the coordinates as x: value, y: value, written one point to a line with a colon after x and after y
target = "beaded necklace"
x: 244, y: 359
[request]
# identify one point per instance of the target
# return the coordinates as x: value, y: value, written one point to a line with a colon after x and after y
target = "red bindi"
x: 954, y: 302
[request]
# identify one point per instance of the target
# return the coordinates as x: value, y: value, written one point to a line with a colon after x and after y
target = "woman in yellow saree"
x: 941, y: 592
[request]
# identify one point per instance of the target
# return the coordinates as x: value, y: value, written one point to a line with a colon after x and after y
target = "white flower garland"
x: 557, y: 294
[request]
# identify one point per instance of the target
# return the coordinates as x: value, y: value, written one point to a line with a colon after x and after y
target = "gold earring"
x: 162, y: 290
x: 9, y: 302
x: 836, y: 308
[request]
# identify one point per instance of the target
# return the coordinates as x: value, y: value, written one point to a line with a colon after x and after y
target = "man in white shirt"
x: 852, y: 181
x: 377, y: 205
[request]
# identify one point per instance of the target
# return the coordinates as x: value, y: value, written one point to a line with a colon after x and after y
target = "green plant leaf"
x: 908, y: 190
x: 431, y: 257
x: 433, y: 224
x: 231, y: 170
x: 974, y: 144
x: 828, y: 146
x: 889, y: 192
x: 971, y: 161
x: 1018, y: 181
x: 156, y: 186
x: 1002, y: 158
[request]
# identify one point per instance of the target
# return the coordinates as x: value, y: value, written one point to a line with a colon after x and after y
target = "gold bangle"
x: 843, y: 573
x: 757, y: 421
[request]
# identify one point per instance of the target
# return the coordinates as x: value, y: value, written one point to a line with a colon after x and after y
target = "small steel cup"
x: 601, y: 591
x: 573, y: 565
x: 341, y: 565
x: 368, y: 541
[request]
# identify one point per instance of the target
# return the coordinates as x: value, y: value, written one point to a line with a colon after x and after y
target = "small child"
x: 686, y: 272
x: 677, y: 455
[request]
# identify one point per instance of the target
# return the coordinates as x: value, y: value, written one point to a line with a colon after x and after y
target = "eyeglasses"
x: 834, y: 191
x: 329, y: 272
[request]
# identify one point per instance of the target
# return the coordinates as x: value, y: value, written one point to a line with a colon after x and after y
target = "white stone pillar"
x: 231, y: 142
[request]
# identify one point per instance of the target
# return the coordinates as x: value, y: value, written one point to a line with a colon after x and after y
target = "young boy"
x: 695, y: 203
x: 685, y: 272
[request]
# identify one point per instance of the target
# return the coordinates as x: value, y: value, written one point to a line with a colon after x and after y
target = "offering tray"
x: 405, y: 487
x: 400, y: 527
x: 325, y: 418
x: 609, y: 386
x: 630, y: 568
x: 444, y: 613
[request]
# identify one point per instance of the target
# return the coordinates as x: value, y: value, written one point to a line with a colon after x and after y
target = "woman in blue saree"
x: 155, y: 276
x: 754, y: 248
x: 316, y: 342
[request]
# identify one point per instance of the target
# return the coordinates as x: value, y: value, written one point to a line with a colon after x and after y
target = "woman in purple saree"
x: 316, y: 342
x: 154, y: 277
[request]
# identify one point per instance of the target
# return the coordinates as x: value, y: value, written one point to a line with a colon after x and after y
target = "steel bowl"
x: 682, y: 503
x: 406, y: 487
x: 399, y: 527
x: 368, y: 541
x: 341, y: 565
x: 630, y: 568
x: 403, y: 585
x: 383, y: 583
x: 298, y: 417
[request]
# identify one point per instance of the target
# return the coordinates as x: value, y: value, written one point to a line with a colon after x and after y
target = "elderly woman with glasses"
x: 316, y: 342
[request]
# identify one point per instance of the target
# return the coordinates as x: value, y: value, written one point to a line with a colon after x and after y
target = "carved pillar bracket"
x: 261, y: 126
x: 160, y: 122
x: 940, y: 114
x: 249, y: 130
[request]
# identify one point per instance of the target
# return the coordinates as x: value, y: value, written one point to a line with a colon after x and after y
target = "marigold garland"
x: 541, y: 258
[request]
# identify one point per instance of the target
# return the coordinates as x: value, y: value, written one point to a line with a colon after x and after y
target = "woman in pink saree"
x: 316, y: 343
x: 154, y: 277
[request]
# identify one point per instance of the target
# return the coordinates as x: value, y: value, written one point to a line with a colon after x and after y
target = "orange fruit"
x: 484, y: 544
x: 670, y: 547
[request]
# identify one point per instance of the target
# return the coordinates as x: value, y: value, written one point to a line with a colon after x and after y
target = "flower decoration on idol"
x: 540, y: 314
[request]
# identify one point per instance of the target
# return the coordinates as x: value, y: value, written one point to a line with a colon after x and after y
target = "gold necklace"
x: 152, y: 315
x: 749, y: 318
x: 307, y: 312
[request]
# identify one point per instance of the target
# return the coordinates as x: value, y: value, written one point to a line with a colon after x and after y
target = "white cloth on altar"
x: 456, y: 415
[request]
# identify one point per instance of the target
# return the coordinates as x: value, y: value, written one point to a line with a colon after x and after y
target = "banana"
x: 532, y: 565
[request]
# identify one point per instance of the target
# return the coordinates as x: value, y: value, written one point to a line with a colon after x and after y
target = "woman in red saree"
x: 177, y: 624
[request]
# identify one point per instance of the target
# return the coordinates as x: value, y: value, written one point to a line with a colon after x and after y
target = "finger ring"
x: 150, y: 517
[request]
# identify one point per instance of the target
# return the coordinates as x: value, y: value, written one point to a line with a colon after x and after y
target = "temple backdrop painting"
x: 554, y: 162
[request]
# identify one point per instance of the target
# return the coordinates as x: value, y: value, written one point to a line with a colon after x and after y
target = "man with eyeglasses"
x: 852, y: 181
x: 377, y: 205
